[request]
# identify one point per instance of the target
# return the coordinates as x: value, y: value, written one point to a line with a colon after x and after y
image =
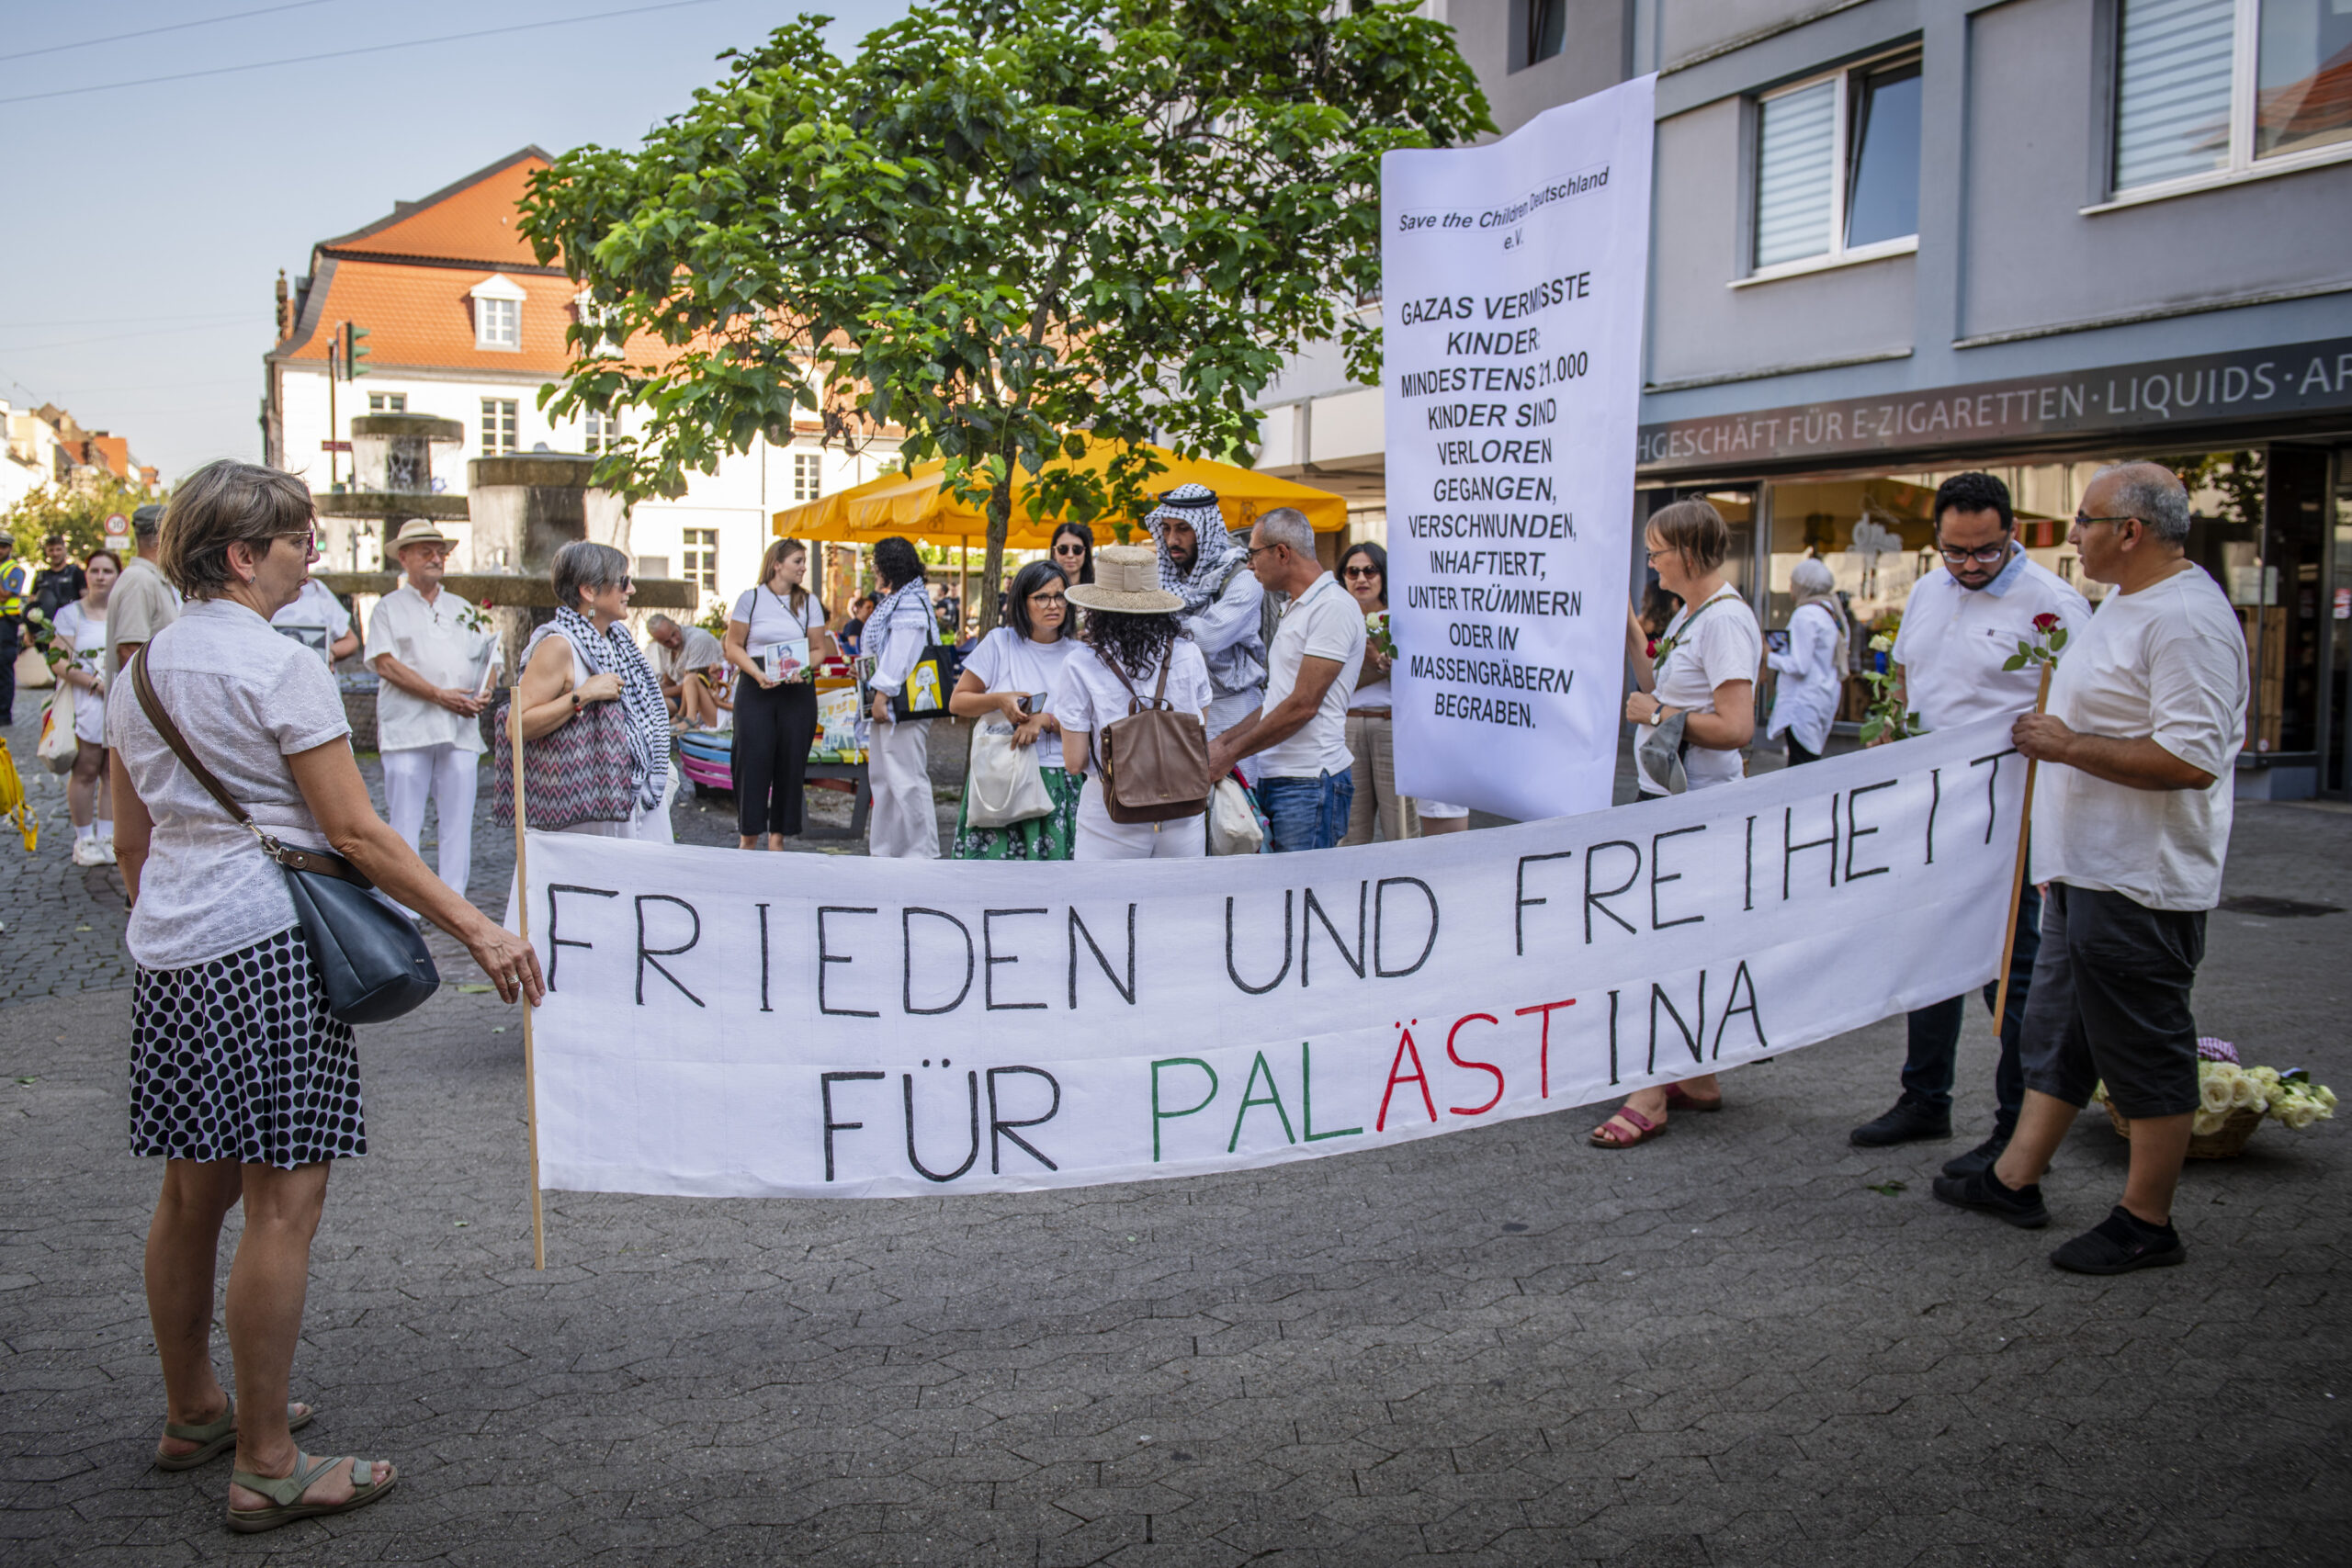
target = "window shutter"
x: 1795, y: 174
x: 2172, y: 89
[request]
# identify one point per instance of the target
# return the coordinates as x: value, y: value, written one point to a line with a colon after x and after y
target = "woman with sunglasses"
x: 585, y: 656
x: 1364, y: 571
x: 1073, y: 551
x: 1019, y: 671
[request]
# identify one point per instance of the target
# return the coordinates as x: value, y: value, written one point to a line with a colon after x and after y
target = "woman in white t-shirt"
x: 82, y: 626
x: 775, y: 637
x: 1131, y: 631
x: 1704, y: 676
x: 1017, y: 672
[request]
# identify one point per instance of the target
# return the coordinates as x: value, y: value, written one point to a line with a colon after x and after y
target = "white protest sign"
x: 1512, y: 281
x: 741, y: 1024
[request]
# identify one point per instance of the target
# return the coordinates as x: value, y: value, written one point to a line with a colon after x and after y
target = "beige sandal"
x: 217, y: 1437
x: 285, y: 1492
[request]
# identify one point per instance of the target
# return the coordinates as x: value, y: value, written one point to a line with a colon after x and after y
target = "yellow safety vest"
x: 11, y: 586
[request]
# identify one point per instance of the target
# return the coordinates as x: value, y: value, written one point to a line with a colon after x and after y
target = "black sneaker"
x: 2021, y: 1206
x: 1910, y: 1121
x: 1981, y: 1157
x: 2120, y: 1243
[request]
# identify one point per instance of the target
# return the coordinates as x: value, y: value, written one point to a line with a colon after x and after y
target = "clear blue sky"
x: 142, y: 227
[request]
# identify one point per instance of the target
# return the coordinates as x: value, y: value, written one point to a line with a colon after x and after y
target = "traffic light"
x: 353, y: 351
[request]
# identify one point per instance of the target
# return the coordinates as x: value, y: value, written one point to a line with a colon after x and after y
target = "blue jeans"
x: 1934, y: 1055
x: 1306, y: 814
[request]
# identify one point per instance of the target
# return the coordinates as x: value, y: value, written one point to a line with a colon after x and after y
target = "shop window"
x: 700, y: 560
x: 2207, y: 88
x: 1838, y: 166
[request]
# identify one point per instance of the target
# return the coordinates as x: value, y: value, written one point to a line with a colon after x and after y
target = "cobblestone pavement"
x: 1747, y: 1344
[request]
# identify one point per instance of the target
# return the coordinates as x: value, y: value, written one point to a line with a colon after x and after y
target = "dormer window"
x: 498, y: 315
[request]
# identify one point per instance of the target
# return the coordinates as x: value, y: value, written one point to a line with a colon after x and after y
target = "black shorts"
x: 2111, y: 1001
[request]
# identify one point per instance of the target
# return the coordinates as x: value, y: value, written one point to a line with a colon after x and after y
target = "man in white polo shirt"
x: 1959, y: 626
x: 1299, y: 734
x: 431, y: 649
x: 2132, y: 814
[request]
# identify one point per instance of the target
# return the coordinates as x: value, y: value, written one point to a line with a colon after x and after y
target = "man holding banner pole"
x: 2131, y: 821
x: 1959, y: 626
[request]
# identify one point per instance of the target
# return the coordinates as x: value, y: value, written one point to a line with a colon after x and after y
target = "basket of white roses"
x: 2234, y: 1098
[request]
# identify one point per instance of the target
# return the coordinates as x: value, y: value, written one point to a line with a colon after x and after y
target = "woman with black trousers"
x: 775, y: 705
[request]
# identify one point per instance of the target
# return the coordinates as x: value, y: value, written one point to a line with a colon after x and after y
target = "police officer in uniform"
x: 15, y: 580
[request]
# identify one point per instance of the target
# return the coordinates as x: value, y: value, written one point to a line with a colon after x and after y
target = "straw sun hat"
x: 1127, y: 579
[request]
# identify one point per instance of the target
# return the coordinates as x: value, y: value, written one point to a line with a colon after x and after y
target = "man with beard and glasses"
x: 1209, y: 570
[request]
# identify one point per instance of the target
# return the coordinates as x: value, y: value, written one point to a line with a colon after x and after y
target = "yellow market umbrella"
x: 917, y: 506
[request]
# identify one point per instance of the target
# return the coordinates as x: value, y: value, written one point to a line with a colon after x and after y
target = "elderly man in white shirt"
x: 1959, y: 626
x: 2131, y: 821
x: 430, y: 649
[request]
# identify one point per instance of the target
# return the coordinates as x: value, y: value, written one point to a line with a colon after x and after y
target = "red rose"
x: 2045, y: 622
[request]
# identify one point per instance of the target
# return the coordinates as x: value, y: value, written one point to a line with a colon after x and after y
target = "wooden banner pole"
x: 522, y: 929
x: 2017, y: 878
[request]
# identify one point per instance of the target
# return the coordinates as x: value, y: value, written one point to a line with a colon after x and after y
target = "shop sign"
x: 2199, y: 390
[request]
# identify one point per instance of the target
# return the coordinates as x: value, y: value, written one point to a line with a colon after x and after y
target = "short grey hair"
x: 657, y: 623
x: 2154, y: 494
x: 583, y: 563
x: 1288, y: 525
x: 1811, y: 575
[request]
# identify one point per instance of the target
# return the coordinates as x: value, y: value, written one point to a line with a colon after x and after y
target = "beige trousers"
x: 1371, y: 740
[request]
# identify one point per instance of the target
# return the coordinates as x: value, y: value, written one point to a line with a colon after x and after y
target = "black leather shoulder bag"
x: 373, y: 960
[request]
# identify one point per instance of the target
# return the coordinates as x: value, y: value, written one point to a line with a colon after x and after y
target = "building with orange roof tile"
x: 465, y: 324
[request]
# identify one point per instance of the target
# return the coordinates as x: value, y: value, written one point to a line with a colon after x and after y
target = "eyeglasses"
x: 1985, y: 556
x: 310, y: 536
x: 1050, y: 599
x: 1366, y: 571
x: 1254, y: 551
x: 2083, y: 522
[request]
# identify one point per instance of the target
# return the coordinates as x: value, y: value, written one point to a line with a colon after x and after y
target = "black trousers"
x: 774, y: 726
x: 7, y: 669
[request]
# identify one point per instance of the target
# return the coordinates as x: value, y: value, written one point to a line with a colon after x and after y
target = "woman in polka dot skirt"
x: 240, y: 1078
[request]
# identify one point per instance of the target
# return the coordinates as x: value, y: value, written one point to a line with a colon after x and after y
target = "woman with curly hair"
x: 1131, y: 631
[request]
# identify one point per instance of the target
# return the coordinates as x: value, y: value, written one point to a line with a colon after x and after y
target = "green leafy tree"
x: 78, y: 511
x: 1003, y: 222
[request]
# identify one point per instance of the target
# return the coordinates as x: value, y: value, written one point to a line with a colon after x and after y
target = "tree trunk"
x: 1000, y: 524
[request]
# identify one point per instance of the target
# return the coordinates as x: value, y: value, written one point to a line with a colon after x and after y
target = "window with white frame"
x: 497, y: 426
x: 388, y: 402
x: 2215, y: 88
x: 807, y: 475
x: 1838, y: 166
x: 498, y: 313
x: 699, y: 564
x: 598, y: 431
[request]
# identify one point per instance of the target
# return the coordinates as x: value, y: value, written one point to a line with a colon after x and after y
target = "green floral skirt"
x: 1040, y: 838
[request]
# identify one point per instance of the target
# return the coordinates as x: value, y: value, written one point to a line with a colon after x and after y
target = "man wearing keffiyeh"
x: 1208, y: 569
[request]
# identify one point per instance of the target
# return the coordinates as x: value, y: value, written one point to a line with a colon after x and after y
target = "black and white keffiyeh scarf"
x: 1219, y: 551
x: 647, y: 715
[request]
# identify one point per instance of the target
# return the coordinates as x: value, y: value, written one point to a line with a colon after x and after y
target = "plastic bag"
x: 1235, y: 827
x: 57, y: 746
x: 1003, y: 784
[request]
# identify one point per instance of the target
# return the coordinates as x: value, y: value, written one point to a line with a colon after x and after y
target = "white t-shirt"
x: 86, y: 635
x: 1954, y: 640
x: 769, y: 615
x: 697, y: 649
x: 1089, y: 694
x: 245, y: 698
x: 1325, y: 622
x: 1007, y: 662
x: 2167, y: 664
x: 319, y: 612
x: 440, y: 643
x: 1725, y: 644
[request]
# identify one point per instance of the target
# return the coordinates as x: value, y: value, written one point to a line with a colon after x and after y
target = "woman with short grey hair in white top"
x: 239, y: 1077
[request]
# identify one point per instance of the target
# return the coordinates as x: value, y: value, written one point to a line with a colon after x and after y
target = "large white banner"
x: 728, y: 1024
x: 1512, y: 278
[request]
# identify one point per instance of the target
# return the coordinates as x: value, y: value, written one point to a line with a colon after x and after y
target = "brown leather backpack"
x: 1155, y: 760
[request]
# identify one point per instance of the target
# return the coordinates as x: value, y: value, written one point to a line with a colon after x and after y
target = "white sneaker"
x: 87, y: 852
x: 106, y: 848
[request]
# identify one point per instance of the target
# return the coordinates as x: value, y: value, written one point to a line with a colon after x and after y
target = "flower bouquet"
x: 1887, y: 717
x: 1376, y: 636
x: 2234, y: 1098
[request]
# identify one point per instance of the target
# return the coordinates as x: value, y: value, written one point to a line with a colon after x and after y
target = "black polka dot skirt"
x: 238, y: 1059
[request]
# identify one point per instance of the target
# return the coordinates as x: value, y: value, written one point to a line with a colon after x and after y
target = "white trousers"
x: 649, y: 823
x: 905, y: 823
x: 1099, y: 838
x: 446, y: 774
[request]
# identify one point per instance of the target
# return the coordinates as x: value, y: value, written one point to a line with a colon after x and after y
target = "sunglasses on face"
x: 1364, y: 571
x: 1072, y: 548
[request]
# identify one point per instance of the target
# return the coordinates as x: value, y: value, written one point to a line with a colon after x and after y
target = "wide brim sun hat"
x: 1127, y: 581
